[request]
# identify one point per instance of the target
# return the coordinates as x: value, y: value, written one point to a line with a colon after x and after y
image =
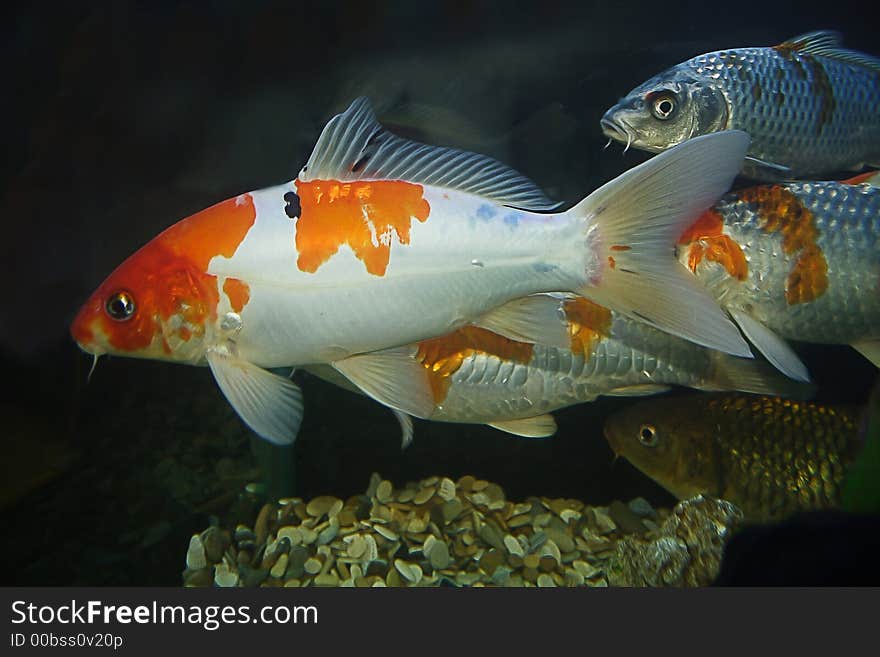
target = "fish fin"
x: 538, y: 318
x: 870, y: 349
x: 406, y: 428
x: 540, y: 426
x: 775, y: 349
x: 271, y: 405
x: 355, y: 146
x: 827, y: 43
x: 392, y: 377
x: 633, y: 224
x: 637, y: 390
x: 765, y: 170
x: 753, y: 375
x: 871, y: 178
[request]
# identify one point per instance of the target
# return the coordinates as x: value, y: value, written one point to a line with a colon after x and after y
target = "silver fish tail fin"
x: 632, y: 225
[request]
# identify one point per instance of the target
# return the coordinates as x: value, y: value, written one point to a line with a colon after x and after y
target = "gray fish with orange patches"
x: 809, y: 105
x: 769, y: 456
x: 794, y: 261
x: 480, y: 377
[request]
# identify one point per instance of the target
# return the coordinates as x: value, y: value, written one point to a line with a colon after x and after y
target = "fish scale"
x: 847, y: 223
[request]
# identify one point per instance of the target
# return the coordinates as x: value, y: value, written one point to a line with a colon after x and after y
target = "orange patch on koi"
x: 612, y: 262
x: 238, y: 292
x: 707, y: 240
x: 360, y: 214
x: 443, y: 356
x: 861, y: 178
x: 621, y: 247
x: 781, y: 211
x: 588, y: 323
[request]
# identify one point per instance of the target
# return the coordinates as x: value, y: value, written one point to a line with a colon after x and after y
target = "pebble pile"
x: 440, y: 532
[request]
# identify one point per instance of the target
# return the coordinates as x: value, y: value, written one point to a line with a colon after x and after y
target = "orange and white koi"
x: 797, y: 261
x: 479, y: 377
x: 381, y: 242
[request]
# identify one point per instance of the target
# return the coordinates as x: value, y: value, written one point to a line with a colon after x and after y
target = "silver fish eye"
x: 120, y: 306
x: 662, y: 105
x: 648, y: 435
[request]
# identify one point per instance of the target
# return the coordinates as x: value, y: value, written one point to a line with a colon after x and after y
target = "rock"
x: 687, y: 551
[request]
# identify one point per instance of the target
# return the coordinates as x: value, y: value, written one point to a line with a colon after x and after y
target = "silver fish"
x: 809, y: 105
x: 479, y: 377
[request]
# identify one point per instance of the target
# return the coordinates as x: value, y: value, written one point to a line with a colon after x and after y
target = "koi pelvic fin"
x: 271, y: 405
x: 632, y: 225
x: 540, y: 426
x: 393, y: 378
x: 776, y: 350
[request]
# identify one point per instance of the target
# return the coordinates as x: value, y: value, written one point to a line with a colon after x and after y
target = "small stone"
x: 326, y: 579
x: 386, y: 532
x: 513, y: 546
x: 261, y: 526
x: 641, y: 507
x: 585, y: 568
x: 625, y: 519
x: 490, y: 560
x: 195, y: 554
x: 406, y: 495
x: 296, y: 562
x: 604, y: 523
x: 479, y: 484
x: 562, y: 540
x: 411, y: 571
x: 466, y: 483
x: 447, y: 489
x: 329, y: 532
x: 321, y: 505
x: 545, y: 581
x: 313, y: 566
x: 451, y: 510
x: 224, y: 576
x: 439, y: 556
x: 372, y: 552
x: 384, y: 491
x: 280, y: 567
x: 492, y: 536
x: 531, y: 560
x: 356, y: 546
x: 293, y: 534
x: 215, y: 541
x: 573, y: 578
x: 424, y: 495
x: 292, y: 583
x: 519, y: 521
x: 417, y: 525
x: 346, y: 518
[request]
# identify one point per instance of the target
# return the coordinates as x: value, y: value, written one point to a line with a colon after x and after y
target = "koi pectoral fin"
x: 392, y: 377
x: 870, y: 349
x: 406, y: 428
x: 775, y: 349
x: 271, y: 405
x: 540, y: 426
x: 538, y: 318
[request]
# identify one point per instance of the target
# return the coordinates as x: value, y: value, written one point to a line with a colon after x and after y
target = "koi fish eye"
x: 120, y: 306
x: 663, y: 104
x: 648, y: 435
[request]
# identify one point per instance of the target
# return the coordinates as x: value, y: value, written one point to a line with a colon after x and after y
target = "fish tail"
x: 755, y: 376
x: 632, y: 226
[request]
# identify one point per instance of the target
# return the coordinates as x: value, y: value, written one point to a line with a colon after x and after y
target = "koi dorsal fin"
x: 355, y: 146
x: 828, y: 43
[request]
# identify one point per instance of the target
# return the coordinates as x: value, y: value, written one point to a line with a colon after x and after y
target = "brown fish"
x: 769, y: 456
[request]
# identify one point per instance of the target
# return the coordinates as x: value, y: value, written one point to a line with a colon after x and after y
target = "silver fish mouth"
x: 617, y: 130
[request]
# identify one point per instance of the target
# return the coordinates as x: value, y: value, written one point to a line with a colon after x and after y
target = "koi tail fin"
x: 633, y: 224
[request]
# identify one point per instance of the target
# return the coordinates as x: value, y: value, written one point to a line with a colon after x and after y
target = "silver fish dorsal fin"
x: 828, y: 43
x: 354, y: 146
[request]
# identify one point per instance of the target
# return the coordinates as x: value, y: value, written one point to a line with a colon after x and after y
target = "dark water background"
x: 124, y: 117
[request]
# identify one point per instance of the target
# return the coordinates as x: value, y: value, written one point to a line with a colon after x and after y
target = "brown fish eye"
x: 120, y: 306
x: 648, y: 435
x: 663, y: 106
